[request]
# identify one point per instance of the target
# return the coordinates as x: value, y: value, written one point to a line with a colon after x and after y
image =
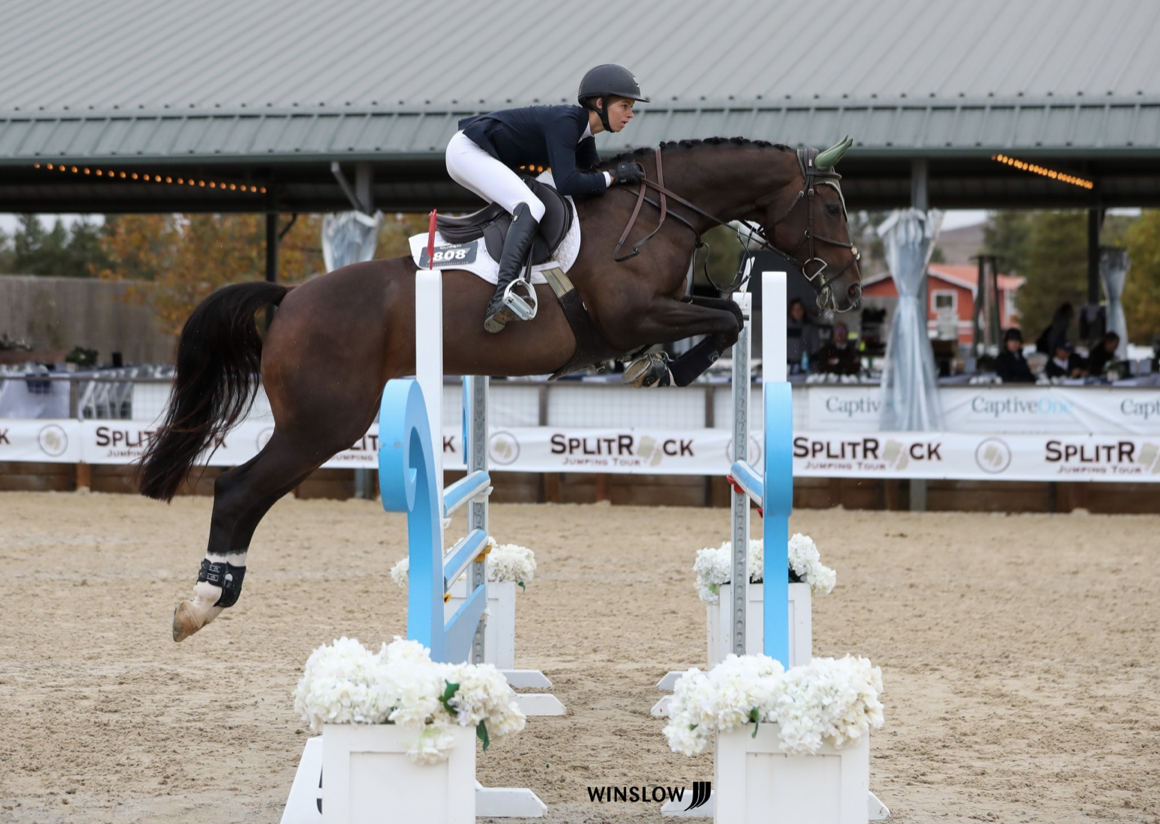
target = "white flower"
x: 714, y: 567
x: 433, y: 744
x: 345, y: 683
x: 827, y: 701
x: 509, y: 562
x: 505, y: 562
x: 806, y: 563
x: 400, y: 572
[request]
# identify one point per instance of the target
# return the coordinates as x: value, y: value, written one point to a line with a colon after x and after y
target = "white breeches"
x: 474, y: 169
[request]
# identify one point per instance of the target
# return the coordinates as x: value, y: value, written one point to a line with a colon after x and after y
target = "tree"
x: 864, y: 233
x: 1142, y: 288
x: 1006, y: 235
x: 61, y: 251
x: 396, y: 231
x: 1053, y: 258
x: 186, y: 257
x: 7, y: 254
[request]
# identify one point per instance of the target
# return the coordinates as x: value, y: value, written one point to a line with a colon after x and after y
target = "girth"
x: 492, y: 224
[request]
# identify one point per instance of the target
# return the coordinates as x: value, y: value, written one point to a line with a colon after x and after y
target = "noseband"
x: 812, y: 177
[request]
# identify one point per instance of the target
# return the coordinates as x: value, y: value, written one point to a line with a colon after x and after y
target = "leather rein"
x: 811, y: 178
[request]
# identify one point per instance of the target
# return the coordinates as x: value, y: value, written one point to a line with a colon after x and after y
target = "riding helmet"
x: 609, y: 80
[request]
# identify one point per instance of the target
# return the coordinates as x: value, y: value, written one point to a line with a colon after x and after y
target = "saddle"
x: 492, y: 224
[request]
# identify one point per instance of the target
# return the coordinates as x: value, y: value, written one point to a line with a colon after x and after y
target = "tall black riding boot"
x: 516, y: 247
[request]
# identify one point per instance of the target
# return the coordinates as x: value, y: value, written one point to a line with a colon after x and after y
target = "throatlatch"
x: 227, y: 576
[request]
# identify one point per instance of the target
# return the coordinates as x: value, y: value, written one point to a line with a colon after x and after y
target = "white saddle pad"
x: 473, y: 257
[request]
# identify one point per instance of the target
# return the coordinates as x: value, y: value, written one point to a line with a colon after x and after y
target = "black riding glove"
x: 628, y: 172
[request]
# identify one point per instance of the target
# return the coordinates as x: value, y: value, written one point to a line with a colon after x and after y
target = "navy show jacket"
x: 541, y: 136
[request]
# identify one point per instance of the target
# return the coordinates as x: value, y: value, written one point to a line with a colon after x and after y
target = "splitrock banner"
x: 642, y: 450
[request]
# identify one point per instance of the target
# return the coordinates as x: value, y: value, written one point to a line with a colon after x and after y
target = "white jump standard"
x: 736, y: 799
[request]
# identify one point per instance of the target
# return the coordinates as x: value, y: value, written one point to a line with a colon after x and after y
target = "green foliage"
x: 864, y: 233
x: 1049, y: 249
x: 1142, y: 289
x: 82, y: 356
x: 60, y: 251
x: 7, y: 254
x: 937, y: 256
x: 1054, y: 262
x: 396, y: 231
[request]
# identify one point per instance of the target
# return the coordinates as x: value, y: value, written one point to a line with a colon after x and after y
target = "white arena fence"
x: 1056, y: 433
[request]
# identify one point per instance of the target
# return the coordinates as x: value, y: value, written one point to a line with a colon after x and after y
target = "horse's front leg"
x: 667, y: 320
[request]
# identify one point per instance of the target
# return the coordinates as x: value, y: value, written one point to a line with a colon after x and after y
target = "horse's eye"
x: 833, y: 210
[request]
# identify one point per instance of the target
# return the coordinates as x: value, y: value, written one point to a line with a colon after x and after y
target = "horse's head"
x: 807, y: 223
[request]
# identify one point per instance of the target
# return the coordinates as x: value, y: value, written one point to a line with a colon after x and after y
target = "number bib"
x: 450, y: 256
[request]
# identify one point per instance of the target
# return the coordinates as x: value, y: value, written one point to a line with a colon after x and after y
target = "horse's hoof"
x: 188, y: 618
x: 649, y: 371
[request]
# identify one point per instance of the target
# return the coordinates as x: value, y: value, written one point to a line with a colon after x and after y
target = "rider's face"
x: 619, y: 112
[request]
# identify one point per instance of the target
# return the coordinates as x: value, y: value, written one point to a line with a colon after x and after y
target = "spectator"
x: 1057, y: 331
x: 1102, y: 354
x: 801, y: 338
x: 839, y: 356
x: 1065, y: 363
x: 1010, y: 365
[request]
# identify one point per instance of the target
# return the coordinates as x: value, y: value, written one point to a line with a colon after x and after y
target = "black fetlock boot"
x: 516, y: 246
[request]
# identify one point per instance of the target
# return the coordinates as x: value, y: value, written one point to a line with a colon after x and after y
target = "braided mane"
x: 692, y: 144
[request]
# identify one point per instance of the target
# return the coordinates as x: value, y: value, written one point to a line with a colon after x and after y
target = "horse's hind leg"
x: 242, y: 496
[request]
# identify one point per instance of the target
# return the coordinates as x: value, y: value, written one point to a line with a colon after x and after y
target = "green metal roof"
x: 268, y: 94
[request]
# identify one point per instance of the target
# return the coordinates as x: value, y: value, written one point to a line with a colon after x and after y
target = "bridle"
x: 812, y: 177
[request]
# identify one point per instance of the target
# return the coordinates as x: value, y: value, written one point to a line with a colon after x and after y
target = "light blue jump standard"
x: 407, y: 484
x: 772, y: 491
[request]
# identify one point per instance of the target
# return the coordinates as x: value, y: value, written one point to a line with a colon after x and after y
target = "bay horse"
x: 336, y: 340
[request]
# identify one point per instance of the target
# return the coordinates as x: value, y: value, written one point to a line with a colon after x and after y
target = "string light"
x: 1040, y: 170
x: 152, y: 178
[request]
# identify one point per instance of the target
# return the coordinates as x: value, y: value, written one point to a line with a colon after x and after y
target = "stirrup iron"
x: 523, y: 308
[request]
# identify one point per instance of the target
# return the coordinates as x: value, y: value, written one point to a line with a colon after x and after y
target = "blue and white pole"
x: 778, y: 486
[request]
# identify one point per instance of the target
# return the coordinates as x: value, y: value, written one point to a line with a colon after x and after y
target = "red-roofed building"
x: 952, y: 295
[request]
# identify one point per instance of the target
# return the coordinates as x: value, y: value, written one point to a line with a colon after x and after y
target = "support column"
x: 364, y: 183
x: 364, y: 189
x: 271, y: 258
x: 920, y: 199
x: 272, y: 247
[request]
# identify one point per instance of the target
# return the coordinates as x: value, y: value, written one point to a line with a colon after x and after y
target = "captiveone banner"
x: 640, y: 450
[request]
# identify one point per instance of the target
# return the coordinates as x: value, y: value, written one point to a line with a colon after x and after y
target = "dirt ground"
x: 1019, y: 653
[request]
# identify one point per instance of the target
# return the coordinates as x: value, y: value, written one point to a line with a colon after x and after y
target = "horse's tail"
x: 219, y: 357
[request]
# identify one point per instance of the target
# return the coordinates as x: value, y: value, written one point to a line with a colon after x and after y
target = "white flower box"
x: 500, y: 634
x: 368, y: 777
x: 720, y: 624
x: 755, y: 782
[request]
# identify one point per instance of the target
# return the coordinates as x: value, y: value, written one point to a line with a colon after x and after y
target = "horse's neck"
x: 728, y: 181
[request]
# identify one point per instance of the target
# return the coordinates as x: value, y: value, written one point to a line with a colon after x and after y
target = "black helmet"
x: 609, y: 80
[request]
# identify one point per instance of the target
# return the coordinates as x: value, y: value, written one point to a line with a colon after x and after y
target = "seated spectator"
x: 839, y: 356
x: 1057, y: 332
x: 1103, y: 353
x: 1065, y: 363
x: 1010, y: 365
x: 801, y: 338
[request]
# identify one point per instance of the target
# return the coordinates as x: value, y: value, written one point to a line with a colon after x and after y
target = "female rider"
x: 483, y: 155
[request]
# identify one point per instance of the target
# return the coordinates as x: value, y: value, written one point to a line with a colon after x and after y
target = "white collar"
x: 587, y: 132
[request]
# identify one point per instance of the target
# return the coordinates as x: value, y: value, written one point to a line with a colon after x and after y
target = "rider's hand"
x: 628, y: 172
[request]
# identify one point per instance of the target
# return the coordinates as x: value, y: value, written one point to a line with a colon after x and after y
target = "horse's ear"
x: 829, y: 158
